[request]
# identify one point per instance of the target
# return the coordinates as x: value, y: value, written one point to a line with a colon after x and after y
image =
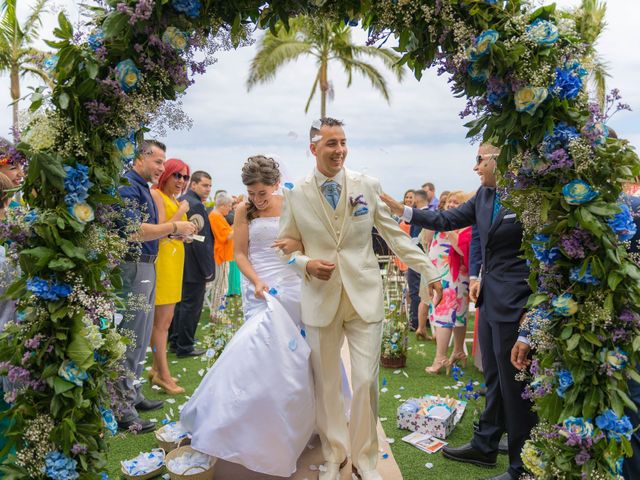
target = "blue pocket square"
x: 361, y: 211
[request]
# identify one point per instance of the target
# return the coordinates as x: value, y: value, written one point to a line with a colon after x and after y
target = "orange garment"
x: 402, y: 266
x: 222, y: 248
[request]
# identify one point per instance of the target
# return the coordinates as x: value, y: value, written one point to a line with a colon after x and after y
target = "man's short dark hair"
x: 197, y: 176
x: 323, y: 122
x: 421, y: 193
x: 147, y: 145
x: 430, y: 186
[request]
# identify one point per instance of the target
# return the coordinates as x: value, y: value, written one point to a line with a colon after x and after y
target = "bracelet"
x: 175, y: 227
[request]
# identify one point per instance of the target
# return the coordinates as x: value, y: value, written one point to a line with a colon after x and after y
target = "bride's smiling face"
x: 260, y: 194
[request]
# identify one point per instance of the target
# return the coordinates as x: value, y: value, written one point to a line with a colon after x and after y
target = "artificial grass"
x: 410, y: 460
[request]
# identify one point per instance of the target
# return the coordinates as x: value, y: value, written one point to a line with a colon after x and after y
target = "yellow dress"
x: 170, y: 262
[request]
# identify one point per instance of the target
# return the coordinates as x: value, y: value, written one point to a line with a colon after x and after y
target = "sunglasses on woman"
x: 178, y: 176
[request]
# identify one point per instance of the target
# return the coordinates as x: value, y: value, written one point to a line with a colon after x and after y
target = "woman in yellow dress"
x: 169, y: 267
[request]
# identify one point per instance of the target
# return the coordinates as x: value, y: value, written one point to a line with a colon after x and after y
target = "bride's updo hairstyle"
x: 259, y: 169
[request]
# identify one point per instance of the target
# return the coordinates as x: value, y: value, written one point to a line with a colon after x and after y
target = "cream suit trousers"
x: 364, y: 347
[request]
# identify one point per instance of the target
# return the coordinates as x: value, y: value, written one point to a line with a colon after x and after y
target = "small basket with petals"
x: 151, y: 474
x: 169, y: 446
x: 195, y: 472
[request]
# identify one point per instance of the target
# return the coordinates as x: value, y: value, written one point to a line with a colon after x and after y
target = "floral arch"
x: 523, y: 72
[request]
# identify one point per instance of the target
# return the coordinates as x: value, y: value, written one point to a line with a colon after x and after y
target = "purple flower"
x: 582, y: 457
x: 576, y: 242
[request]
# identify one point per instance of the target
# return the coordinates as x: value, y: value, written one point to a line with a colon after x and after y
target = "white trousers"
x: 364, y: 347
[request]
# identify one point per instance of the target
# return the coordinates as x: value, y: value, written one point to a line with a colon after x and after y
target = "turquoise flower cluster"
x: 578, y: 192
x: 127, y: 75
x: 58, y: 466
x: 622, y: 223
x: 70, y: 372
x: 615, y: 427
x: 49, y: 290
x: 109, y: 420
x: 578, y: 426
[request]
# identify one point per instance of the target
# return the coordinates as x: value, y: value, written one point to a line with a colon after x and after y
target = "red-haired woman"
x: 169, y: 265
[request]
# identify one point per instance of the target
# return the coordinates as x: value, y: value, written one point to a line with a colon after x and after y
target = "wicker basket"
x: 206, y: 475
x: 155, y: 473
x: 170, y: 446
x: 393, y: 362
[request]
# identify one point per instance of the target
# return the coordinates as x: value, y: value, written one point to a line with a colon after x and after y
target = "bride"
x: 256, y: 406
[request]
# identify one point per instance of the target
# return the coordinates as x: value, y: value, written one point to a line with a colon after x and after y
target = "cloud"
x: 418, y: 137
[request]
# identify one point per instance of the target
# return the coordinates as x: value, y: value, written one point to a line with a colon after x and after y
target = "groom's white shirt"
x: 344, y: 238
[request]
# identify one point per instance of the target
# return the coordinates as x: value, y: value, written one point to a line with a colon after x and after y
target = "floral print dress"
x: 453, y: 309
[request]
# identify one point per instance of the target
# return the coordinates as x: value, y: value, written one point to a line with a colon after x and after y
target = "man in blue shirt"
x: 139, y: 275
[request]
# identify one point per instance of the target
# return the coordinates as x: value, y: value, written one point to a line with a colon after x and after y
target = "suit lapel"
x: 312, y: 193
x: 499, y: 216
x: 351, y: 183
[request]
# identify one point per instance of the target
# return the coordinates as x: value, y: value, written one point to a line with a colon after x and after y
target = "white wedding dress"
x: 255, y: 406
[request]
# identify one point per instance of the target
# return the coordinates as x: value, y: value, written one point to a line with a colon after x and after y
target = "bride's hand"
x: 396, y: 207
x: 261, y: 287
x: 288, y: 245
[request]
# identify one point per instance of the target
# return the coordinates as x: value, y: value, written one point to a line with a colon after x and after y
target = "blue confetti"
x: 221, y: 307
x: 155, y: 350
x: 385, y: 455
x: 292, y: 261
x: 303, y: 333
x: 273, y: 292
x: 384, y: 381
x: 164, y: 421
x: 288, y: 185
x: 293, y: 345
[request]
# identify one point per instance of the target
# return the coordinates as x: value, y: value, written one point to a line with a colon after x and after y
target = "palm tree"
x: 326, y: 41
x: 17, y: 56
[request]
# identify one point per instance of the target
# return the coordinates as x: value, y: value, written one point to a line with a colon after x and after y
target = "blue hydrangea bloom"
x: 560, y: 138
x: 568, y: 82
x: 60, y: 467
x: 31, y: 216
x: 615, y: 427
x: 48, y: 290
x: 191, y: 8
x: 545, y: 255
x: 587, y: 278
x: 96, y: 39
x: 622, y: 223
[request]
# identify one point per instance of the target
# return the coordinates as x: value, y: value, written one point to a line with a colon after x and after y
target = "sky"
x: 418, y: 137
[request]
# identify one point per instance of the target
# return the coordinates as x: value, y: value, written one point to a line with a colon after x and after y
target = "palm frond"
x: 390, y: 59
x: 38, y: 72
x: 370, y: 72
x: 273, y: 53
x: 31, y: 26
x: 598, y: 79
x: 590, y: 20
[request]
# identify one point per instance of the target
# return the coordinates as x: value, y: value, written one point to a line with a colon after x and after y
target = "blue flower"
x: 72, y: 373
x: 622, y: 223
x: 565, y: 380
x: 60, y: 467
x: 577, y: 192
x: 50, y: 63
x: 31, y: 216
x: 587, y: 278
x: 578, y: 426
x: 477, y: 74
x: 77, y: 178
x: 176, y: 38
x: 126, y: 147
x: 109, y: 420
x: 191, y: 8
x: 543, y: 32
x: 528, y: 99
x: 47, y: 290
x: 567, y: 85
x: 96, y: 40
x: 482, y: 45
x: 615, y: 427
x: 127, y: 75
x: 597, y: 132
x: 564, y: 305
x: 548, y: 256
x: 82, y: 212
x: 561, y: 137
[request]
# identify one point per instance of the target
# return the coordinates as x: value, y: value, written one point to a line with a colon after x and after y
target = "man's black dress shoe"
x: 503, y: 446
x: 196, y: 352
x: 147, y: 405
x: 466, y: 453
x: 142, y: 425
x: 502, y: 476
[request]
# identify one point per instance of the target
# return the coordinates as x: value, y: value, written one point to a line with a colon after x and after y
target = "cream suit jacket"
x: 345, y: 240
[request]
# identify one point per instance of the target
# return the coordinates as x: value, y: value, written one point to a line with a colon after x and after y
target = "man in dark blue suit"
x: 199, y: 269
x: 421, y: 201
x: 503, y: 295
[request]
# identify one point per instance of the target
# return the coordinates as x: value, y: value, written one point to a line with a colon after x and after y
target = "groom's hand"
x: 320, y: 269
x: 395, y: 206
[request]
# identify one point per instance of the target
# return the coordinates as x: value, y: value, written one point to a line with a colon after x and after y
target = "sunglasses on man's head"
x: 178, y: 176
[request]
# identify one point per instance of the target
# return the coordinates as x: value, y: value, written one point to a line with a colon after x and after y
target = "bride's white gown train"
x: 255, y: 406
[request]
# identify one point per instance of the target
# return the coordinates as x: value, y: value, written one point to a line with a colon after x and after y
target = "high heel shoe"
x: 152, y: 373
x: 437, y: 366
x: 459, y: 357
x: 167, y: 387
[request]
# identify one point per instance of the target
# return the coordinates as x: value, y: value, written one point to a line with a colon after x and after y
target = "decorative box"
x: 425, y: 415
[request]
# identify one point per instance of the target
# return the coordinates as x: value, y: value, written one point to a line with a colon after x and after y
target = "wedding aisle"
x: 312, y: 457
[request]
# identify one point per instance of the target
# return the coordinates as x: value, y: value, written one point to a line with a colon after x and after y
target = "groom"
x: 332, y: 212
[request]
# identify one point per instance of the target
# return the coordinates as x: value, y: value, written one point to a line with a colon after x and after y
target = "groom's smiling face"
x: 330, y: 150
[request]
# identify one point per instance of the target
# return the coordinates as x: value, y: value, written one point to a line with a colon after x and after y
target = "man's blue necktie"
x: 331, y: 191
x: 496, y: 206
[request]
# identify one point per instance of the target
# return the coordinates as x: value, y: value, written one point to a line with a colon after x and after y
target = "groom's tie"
x: 331, y: 191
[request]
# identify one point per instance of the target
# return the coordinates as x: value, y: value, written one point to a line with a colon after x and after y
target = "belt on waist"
x: 143, y: 258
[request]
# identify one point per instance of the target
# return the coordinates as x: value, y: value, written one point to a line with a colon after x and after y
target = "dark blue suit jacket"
x: 504, y: 288
x: 475, y: 253
x: 199, y: 265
